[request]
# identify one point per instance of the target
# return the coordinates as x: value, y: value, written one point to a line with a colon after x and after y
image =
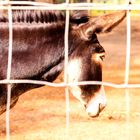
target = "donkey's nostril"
x: 101, y: 107
x: 85, y: 106
x: 94, y: 110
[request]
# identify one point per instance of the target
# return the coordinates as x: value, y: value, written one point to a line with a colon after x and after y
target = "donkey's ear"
x: 101, y: 24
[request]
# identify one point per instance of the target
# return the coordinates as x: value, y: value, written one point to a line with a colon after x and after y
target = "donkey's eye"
x: 102, y: 56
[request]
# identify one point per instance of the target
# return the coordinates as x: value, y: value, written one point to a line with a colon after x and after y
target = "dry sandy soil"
x: 40, y: 113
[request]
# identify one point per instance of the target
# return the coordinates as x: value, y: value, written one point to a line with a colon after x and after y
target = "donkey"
x: 38, y: 53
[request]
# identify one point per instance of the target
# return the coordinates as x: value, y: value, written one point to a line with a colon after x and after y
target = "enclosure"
x: 52, y: 113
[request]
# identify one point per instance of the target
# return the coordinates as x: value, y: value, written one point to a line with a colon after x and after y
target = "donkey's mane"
x: 29, y: 16
x: 38, y: 16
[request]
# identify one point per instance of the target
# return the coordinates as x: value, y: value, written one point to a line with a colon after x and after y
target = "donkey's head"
x: 85, y: 63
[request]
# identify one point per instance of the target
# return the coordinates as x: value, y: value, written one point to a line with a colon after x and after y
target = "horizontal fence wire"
x: 62, y: 84
x: 65, y: 6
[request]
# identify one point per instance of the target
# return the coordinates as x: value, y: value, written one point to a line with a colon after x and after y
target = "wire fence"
x: 67, y: 7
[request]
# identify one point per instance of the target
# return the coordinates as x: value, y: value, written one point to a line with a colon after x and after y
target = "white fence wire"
x: 67, y: 7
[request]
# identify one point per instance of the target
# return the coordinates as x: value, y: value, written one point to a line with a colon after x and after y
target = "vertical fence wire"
x: 66, y: 65
x: 128, y: 48
x: 9, y: 73
x: 128, y: 54
x: 127, y: 70
x: 128, y: 58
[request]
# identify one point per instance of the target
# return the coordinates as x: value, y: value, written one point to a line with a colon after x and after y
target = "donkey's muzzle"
x: 96, y: 112
x: 96, y: 104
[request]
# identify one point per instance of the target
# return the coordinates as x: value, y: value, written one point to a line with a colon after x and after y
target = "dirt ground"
x: 40, y: 113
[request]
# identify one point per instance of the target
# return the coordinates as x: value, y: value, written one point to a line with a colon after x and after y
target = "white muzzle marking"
x: 97, y: 103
